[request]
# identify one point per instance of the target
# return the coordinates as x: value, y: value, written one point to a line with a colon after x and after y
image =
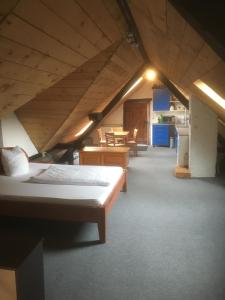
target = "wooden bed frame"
x: 61, y: 212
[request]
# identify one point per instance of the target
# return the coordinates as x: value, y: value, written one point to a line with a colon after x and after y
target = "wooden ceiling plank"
x: 26, y: 74
x: 176, y: 28
x: 113, y: 9
x: 55, y: 27
x: 99, y: 92
x: 16, y: 29
x: 74, y: 15
x: 99, y: 14
x: 149, y: 33
x: 215, y: 78
x: 203, y: 63
x: 191, y: 46
x: 13, y: 52
x: 157, y: 9
x: 89, y: 70
x: 6, y: 6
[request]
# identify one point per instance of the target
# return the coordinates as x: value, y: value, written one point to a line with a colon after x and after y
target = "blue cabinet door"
x: 160, y: 135
x: 161, y: 99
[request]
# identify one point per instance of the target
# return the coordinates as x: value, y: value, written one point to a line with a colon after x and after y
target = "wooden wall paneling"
x: 202, y: 64
x: 106, y: 101
x: 99, y: 14
x: 26, y: 74
x: 55, y: 27
x: 101, y: 89
x: 13, y: 52
x: 113, y: 9
x: 76, y: 17
x: 6, y: 6
x: 120, y: 61
x: 152, y: 37
x: 175, y: 28
x: 115, y: 68
x: 15, y: 93
x: 98, y: 95
x: 187, y: 56
x: 157, y: 10
x: 65, y: 93
x: 191, y: 46
x: 215, y: 78
x: 20, y: 31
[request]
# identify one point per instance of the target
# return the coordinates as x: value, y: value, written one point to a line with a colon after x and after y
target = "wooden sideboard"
x: 106, y: 156
x: 21, y: 264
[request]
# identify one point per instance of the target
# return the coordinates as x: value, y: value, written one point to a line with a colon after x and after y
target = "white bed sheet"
x: 16, y: 188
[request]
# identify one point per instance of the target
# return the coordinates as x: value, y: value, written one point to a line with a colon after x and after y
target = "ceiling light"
x: 210, y: 92
x: 150, y: 74
x: 133, y: 86
x: 84, y: 128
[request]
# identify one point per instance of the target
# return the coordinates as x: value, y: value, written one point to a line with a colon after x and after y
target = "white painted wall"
x: 203, y: 140
x: 13, y: 133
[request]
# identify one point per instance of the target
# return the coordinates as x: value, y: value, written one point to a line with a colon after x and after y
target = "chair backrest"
x: 110, y: 139
x: 135, y: 133
x: 100, y: 134
x: 117, y: 129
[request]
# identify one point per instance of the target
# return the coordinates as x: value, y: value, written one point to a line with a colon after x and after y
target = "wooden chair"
x: 101, y: 139
x: 132, y: 144
x: 111, y: 140
x: 114, y: 129
x: 118, y: 139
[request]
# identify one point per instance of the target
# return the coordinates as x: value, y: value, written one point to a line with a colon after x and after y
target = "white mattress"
x: 15, y: 188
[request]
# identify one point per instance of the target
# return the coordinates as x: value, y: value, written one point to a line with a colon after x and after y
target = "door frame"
x: 140, y: 100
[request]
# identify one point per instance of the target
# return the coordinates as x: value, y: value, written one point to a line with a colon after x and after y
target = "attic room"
x: 112, y: 144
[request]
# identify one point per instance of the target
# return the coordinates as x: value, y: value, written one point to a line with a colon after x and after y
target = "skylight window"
x: 84, y: 128
x: 210, y: 93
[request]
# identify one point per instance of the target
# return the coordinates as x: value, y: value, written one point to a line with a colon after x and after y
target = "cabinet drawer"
x: 115, y: 159
x: 160, y: 135
x: 90, y: 158
x: 161, y: 99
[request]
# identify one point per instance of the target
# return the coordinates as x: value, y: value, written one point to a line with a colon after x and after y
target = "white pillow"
x: 15, y: 162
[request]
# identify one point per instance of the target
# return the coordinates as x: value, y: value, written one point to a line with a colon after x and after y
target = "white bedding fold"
x: 70, y: 175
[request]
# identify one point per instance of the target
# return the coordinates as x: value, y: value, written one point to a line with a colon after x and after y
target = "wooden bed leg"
x: 125, y: 183
x: 102, y: 229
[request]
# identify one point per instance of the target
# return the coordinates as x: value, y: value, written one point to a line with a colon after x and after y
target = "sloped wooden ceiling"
x: 61, y: 60
x: 88, y: 38
x: 177, y: 50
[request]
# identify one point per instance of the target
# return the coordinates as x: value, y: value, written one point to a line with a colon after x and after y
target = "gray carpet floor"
x: 166, y: 241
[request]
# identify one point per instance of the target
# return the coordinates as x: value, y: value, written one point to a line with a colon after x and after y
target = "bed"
x: 80, y: 203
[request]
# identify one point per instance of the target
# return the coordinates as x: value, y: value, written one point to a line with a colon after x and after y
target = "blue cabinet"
x: 161, y: 99
x: 160, y: 134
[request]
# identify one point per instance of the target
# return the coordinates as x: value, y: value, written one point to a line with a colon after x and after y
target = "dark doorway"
x: 136, y: 114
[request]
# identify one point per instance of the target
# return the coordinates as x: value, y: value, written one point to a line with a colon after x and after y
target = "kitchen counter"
x: 163, y: 124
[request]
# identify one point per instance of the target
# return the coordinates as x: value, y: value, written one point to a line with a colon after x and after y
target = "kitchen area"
x: 170, y: 124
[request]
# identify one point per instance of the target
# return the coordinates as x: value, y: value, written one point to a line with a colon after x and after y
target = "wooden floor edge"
x: 182, y: 172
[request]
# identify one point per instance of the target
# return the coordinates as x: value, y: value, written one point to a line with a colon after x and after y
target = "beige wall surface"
x: 203, y: 140
x: 13, y: 134
x: 142, y: 92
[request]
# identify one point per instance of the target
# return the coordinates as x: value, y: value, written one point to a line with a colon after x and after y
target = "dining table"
x: 121, y: 136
